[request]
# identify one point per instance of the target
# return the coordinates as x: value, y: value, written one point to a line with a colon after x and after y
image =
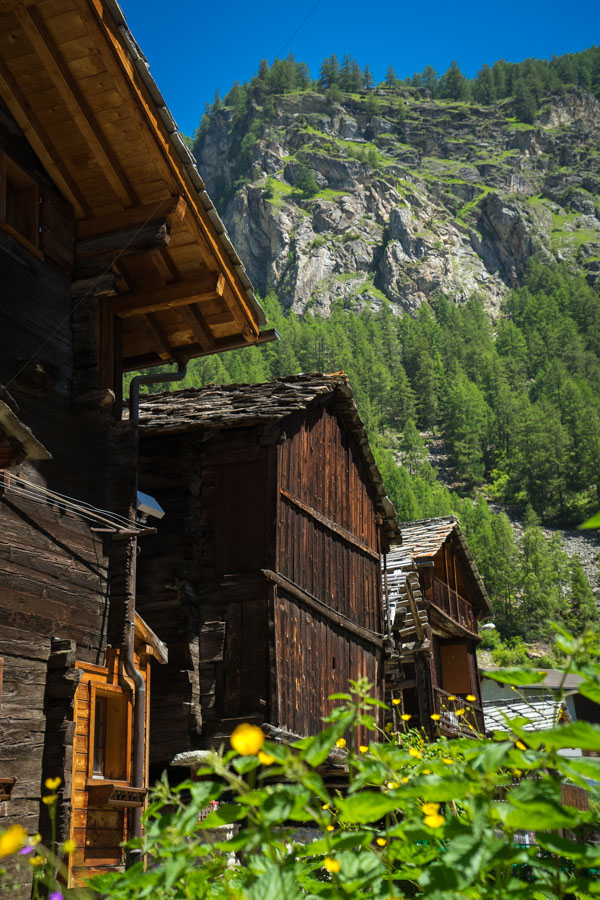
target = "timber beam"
x: 171, y: 209
x: 44, y: 45
x: 194, y: 352
x: 198, y: 326
x: 171, y: 296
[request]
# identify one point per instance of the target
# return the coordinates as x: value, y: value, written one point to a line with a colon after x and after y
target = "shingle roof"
x: 421, y: 540
x: 216, y: 407
x: 542, y: 712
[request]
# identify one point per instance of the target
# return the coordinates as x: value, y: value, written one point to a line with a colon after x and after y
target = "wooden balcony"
x: 452, y: 604
x: 452, y: 724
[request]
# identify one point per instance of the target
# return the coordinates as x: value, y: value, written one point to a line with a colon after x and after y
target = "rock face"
x: 408, y: 197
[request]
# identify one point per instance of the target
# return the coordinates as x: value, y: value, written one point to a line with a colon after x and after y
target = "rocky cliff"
x: 405, y: 197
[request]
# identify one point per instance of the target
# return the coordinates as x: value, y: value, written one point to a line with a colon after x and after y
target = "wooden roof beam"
x: 35, y: 133
x: 163, y: 348
x: 198, y: 326
x: 172, y: 209
x: 43, y: 43
x: 171, y: 296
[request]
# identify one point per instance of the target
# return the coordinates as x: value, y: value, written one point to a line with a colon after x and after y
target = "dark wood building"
x: 112, y: 257
x: 435, y: 597
x: 263, y: 577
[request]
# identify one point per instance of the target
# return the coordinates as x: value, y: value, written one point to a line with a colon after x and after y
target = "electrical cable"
x: 70, y: 500
x: 38, y: 494
x: 306, y: 17
x: 69, y: 315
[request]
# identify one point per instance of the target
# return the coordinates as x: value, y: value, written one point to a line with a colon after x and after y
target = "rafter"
x: 199, y: 328
x: 44, y: 45
x: 164, y: 349
x: 172, y: 209
x: 182, y: 293
x: 35, y: 133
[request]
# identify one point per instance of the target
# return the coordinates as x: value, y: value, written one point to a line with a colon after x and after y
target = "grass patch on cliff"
x: 277, y: 192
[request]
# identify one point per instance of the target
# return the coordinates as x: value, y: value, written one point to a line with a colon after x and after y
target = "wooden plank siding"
x: 264, y: 577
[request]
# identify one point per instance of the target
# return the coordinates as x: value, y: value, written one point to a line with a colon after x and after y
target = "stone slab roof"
x: 543, y: 713
x: 421, y: 540
x: 218, y: 407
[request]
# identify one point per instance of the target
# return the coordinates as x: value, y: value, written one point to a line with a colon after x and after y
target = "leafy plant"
x: 437, y: 820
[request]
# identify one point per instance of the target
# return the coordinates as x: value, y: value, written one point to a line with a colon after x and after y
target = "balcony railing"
x: 450, y: 722
x: 453, y: 604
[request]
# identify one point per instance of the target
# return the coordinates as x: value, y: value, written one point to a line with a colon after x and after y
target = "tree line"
x: 527, y: 82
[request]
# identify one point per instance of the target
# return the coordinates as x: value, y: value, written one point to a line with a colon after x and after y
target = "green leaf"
x: 223, y: 815
x: 574, y: 735
x: 315, y: 750
x: 243, y: 764
x: 276, y: 885
x: 514, y: 676
x: 367, y: 806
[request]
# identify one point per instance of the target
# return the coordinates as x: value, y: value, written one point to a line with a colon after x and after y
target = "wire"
x: 90, y: 290
x: 37, y: 493
x: 305, y: 19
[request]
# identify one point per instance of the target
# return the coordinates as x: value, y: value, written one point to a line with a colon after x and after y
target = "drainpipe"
x: 137, y: 774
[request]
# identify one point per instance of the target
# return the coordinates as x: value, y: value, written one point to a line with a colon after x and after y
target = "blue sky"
x: 194, y: 48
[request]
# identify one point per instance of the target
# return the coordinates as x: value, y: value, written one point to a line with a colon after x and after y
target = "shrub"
x: 436, y: 820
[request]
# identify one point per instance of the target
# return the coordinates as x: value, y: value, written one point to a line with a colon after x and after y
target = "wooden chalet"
x: 435, y: 597
x: 263, y: 577
x: 112, y: 258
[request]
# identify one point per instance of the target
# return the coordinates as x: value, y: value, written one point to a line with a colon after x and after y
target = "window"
x: 19, y: 203
x: 110, y: 738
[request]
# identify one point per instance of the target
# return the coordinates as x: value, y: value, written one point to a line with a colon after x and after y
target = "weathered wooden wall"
x: 322, y: 468
x: 53, y: 568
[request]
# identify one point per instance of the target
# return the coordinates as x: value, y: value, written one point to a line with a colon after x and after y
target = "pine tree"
x: 368, y: 79
x: 390, y: 77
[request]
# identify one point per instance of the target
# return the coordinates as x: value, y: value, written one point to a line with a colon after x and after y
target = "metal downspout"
x: 137, y: 774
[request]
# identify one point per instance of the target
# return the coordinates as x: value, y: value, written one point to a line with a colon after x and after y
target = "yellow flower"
x: 381, y: 841
x: 520, y: 745
x: 265, y: 758
x: 471, y: 697
x: 69, y: 846
x: 447, y: 760
x: 405, y: 780
x: 330, y: 828
x: 332, y: 865
x: 434, y: 821
x: 471, y: 727
x: 459, y: 712
x: 325, y: 806
x: 391, y: 785
x: 389, y: 727
x: 363, y: 749
x: 436, y: 717
x: 426, y: 771
x: 430, y: 809
x: 247, y: 739
x: 512, y: 687
x: 406, y: 717
x: 12, y: 839
x: 341, y: 743
x: 517, y: 773
x: 36, y: 860
x: 52, y: 783
x: 49, y: 799
x: 451, y: 696
x: 396, y: 701
x: 34, y: 839
x: 416, y: 753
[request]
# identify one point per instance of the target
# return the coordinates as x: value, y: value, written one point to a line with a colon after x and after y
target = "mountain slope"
x: 389, y: 195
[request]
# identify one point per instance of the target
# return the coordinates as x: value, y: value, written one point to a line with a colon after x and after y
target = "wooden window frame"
x: 27, y: 191
x: 106, y: 690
